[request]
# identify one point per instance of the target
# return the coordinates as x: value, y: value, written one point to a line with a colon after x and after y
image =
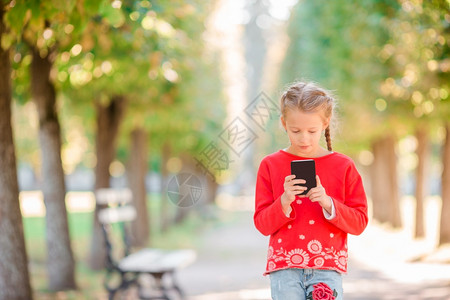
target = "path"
x: 231, y: 261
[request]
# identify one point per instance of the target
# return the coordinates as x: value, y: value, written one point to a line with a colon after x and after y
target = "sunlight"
x: 396, y: 254
x: 32, y: 203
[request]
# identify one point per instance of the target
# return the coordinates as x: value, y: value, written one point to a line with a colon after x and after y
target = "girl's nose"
x: 302, y: 137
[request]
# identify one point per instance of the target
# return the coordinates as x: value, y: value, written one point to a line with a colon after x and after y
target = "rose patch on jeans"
x: 322, y: 292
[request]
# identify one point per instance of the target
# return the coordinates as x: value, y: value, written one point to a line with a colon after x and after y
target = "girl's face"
x: 304, y: 130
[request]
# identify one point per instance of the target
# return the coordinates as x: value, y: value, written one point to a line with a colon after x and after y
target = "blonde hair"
x: 309, y: 97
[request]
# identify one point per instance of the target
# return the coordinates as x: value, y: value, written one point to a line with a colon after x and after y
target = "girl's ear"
x: 283, y: 122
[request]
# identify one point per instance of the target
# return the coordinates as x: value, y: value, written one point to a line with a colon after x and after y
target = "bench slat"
x: 113, y: 196
x: 117, y: 214
x: 157, y: 260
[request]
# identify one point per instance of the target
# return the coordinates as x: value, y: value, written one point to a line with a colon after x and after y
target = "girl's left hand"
x: 318, y: 194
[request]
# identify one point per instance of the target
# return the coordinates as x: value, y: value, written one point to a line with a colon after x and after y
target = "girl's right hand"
x: 290, y: 191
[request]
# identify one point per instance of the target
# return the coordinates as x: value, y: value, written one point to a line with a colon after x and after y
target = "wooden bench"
x: 161, y: 265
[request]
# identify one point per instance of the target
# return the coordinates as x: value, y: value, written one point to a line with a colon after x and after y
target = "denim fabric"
x: 296, y: 284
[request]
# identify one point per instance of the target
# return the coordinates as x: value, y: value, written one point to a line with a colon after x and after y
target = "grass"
x: 184, y: 235
x: 89, y: 282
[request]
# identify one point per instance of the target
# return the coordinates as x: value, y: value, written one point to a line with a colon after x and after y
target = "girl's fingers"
x: 318, y: 181
x: 296, y: 189
x: 299, y: 187
x: 289, y: 178
x: 313, y: 194
x: 293, y: 187
x: 297, y: 192
x: 298, y: 181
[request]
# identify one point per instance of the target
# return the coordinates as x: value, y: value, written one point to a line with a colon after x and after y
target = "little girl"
x: 308, y: 234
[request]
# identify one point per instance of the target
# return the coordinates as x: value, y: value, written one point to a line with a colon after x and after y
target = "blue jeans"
x: 296, y: 284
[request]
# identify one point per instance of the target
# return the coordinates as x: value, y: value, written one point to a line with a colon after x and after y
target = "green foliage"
x: 153, y: 58
x: 45, y: 23
x: 49, y: 27
x: 386, y: 60
x: 418, y: 50
x: 150, y: 52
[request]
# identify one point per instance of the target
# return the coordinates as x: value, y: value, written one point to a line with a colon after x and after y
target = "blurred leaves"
x: 387, y: 61
x: 150, y: 52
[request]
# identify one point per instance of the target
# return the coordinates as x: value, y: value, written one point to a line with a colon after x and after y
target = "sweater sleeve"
x: 351, y: 212
x: 269, y: 216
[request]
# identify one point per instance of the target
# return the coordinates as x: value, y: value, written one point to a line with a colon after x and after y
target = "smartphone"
x: 305, y: 169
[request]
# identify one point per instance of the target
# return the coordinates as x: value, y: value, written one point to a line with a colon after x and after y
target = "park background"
x: 130, y: 94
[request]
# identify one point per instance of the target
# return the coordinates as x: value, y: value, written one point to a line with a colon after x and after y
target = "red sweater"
x: 306, y: 239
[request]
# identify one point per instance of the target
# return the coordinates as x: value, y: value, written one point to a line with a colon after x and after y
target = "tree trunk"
x: 60, y: 261
x: 188, y: 167
x: 384, y: 182
x: 421, y: 179
x: 255, y: 44
x: 212, y: 187
x: 15, y: 280
x: 137, y: 170
x: 378, y: 182
x: 444, y: 234
x: 209, y: 192
x: 394, y: 199
x: 108, y: 121
x: 164, y: 215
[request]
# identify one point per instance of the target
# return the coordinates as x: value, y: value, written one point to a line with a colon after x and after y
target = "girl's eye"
x: 295, y: 131
x: 312, y: 131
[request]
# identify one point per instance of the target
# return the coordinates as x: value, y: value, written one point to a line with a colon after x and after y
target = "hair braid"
x: 328, y: 138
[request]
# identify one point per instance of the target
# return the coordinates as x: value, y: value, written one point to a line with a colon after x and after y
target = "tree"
x: 419, y: 52
x: 145, y: 53
x: 109, y: 118
x: 15, y: 281
x: 384, y: 182
x: 338, y: 45
x: 444, y: 234
x: 137, y: 171
x: 60, y: 261
x: 164, y: 214
x: 47, y: 27
x: 423, y: 153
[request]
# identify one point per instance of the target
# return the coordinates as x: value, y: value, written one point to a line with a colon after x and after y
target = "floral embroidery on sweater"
x: 302, y: 258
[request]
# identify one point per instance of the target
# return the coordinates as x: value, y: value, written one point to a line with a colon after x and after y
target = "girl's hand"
x: 318, y: 194
x: 290, y: 190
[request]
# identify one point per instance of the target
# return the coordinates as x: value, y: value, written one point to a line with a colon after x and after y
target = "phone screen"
x: 305, y: 169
